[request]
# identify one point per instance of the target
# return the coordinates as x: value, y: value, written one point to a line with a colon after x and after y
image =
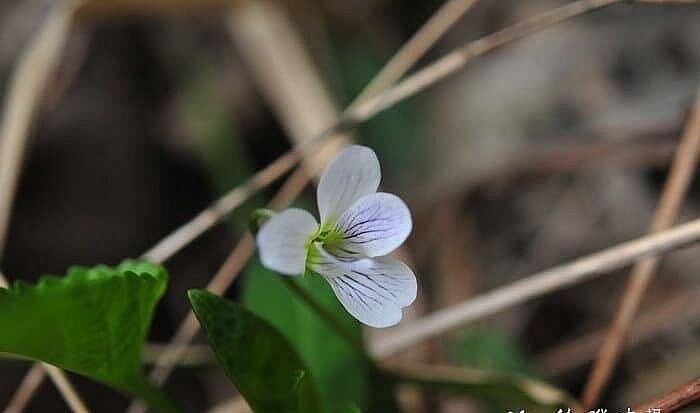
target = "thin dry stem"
x: 676, y: 399
x: 234, y: 405
x: 676, y: 313
x: 66, y: 389
x: 415, y: 48
x: 681, y: 173
x: 33, y: 379
x: 194, y: 354
x: 223, y: 206
x: 453, y: 61
x: 442, y: 376
x: 536, y: 285
x: 284, y: 71
x: 26, y: 89
x: 30, y: 383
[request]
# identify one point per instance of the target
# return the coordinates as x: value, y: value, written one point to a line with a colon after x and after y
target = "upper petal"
x: 283, y: 241
x: 375, y: 225
x: 353, y: 174
x: 373, y: 290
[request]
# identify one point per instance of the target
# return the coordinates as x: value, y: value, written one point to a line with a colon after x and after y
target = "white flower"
x: 359, y: 227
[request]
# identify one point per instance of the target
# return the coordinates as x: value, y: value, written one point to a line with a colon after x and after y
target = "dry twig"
x: 26, y: 90
x: 283, y: 70
x: 34, y: 378
x: 444, y: 377
x: 194, y: 354
x: 536, y: 285
x: 675, y: 399
x: 206, y: 219
x: 680, y: 176
x: 361, y: 112
x: 453, y: 61
x: 407, y: 56
x: 679, y: 311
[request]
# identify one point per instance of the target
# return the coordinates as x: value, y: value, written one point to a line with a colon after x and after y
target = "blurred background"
x: 550, y: 148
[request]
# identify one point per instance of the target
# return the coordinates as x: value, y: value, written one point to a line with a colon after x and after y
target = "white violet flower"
x: 359, y: 227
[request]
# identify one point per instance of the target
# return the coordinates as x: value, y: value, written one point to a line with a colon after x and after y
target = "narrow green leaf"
x: 382, y: 397
x: 513, y: 375
x: 93, y: 321
x: 340, y: 371
x: 257, y: 358
x: 507, y: 391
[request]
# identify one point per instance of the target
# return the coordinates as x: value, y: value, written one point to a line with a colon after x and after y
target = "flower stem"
x: 257, y: 219
x: 333, y: 322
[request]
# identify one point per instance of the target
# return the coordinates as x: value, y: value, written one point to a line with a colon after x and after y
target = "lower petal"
x: 373, y: 290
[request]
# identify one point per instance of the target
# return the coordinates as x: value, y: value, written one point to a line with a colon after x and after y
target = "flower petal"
x: 375, y: 225
x: 283, y: 241
x: 353, y: 174
x: 373, y: 290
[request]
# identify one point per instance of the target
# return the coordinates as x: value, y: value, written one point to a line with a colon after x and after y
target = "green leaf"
x: 340, y: 371
x: 259, y: 360
x: 490, y: 349
x: 93, y: 321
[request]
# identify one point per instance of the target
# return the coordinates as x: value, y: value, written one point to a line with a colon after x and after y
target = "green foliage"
x: 93, y: 321
x: 490, y: 349
x: 340, y: 371
x: 258, y: 359
x: 499, y: 373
